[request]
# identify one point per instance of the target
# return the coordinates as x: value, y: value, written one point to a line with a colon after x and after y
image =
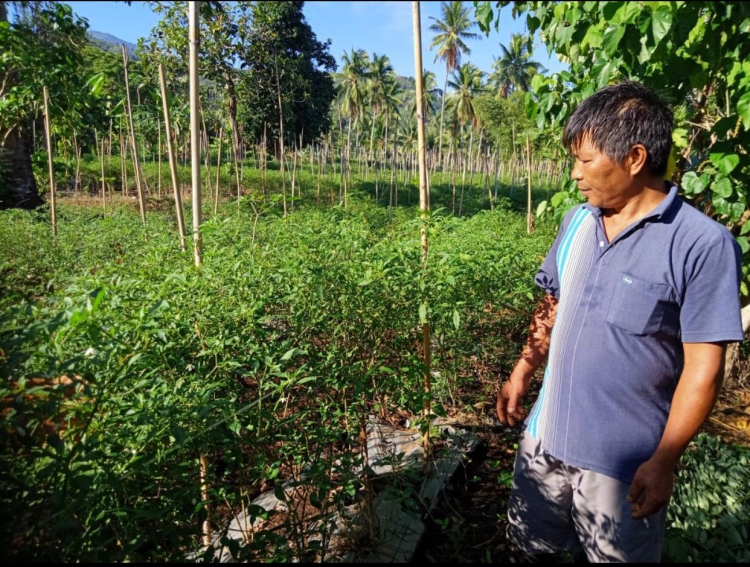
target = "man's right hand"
x: 510, y: 401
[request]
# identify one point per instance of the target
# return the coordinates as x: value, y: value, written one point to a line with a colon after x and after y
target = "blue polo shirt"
x: 625, y: 308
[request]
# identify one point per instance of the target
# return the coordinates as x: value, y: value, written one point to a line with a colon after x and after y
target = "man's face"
x: 604, y: 182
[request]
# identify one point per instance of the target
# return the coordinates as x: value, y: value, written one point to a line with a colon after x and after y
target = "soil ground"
x: 468, y: 526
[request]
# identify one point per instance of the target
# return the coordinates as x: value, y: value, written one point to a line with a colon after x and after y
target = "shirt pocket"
x: 638, y: 306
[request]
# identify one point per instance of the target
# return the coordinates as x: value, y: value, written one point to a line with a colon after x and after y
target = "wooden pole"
x: 158, y: 156
x: 424, y: 206
x: 104, y: 194
x: 529, y: 219
x: 195, y: 129
x: 48, y: 139
x: 134, y: 145
x: 218, y: 172
x: 172, y: 158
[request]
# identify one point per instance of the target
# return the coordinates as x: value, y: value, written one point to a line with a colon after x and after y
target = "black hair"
x: 617, y: 117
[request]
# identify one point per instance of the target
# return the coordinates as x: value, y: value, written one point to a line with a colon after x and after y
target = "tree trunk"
x: 232, y: 107
x: 18, y: 188
x: 442, y: 112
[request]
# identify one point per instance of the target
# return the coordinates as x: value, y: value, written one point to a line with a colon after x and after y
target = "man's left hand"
x: 651, y: 489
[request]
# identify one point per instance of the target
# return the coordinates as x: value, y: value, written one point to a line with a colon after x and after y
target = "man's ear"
x: 636, y: 159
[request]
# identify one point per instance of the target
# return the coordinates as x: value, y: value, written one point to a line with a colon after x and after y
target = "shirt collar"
x: 659, y: 211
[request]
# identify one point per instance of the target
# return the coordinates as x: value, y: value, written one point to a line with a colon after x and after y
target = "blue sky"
x: 377, y: 27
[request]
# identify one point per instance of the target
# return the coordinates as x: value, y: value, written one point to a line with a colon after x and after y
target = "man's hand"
x: 651, y: 488
x: 509, y: 401
x: 510, y: 397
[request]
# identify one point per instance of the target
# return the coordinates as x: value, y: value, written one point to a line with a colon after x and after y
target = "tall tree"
x: 381, y: 77
x: 352, y: 84
x: 466, y: 84
x: 223, y: 28
x: 288, y: 73
x: 430, y: 92
x: 42, y: 47
x: 451, y: 32
x: 515, y: 68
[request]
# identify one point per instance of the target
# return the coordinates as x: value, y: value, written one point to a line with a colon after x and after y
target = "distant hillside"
x: 406, y: 83
x: 108, y: 42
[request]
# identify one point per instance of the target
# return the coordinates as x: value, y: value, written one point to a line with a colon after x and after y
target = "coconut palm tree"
x: 467, y: 82
x: 351, y: 83
x: 430, y: 95
x: 515, y: 69
x: 451, y: 32
x: 381, y: 76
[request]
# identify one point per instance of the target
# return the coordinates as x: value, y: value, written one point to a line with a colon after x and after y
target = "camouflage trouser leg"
x: 557, y: 507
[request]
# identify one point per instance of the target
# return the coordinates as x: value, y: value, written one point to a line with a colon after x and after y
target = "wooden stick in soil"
x: 424, y: 208
x: 195, y: 129
x: 207, y: 150
x: 294, y: 177
x: 77, y: 150
x: 218, y: 171
x: 205, y: 499
x: 158, y: 157
x: 48, y: 140
x: 172, y: 159
x: 104, y: 194
x: 134, y: 145
x: 529, y: 220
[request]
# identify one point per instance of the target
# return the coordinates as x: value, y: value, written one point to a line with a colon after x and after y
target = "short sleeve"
x: 711, y: 306
x: 548, y: 277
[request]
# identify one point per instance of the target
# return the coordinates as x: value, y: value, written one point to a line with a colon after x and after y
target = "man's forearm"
x: 693, y: 400
x: 537, y: 343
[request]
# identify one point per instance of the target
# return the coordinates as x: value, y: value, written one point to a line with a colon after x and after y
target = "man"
x: 643, y: 293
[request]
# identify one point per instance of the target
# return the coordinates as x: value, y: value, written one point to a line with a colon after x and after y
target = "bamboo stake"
x: 294, y: 176
x: 141, y: 204
x: 104, y: 189
x: 205, y: 499
x: 424, y: 208
x: 218, y: 172
x: 529, y: 220
x: 195, y: 148
x: 77, y: 150
x: 158, y: 155
x: 172, y: 159
x: 48, y: 139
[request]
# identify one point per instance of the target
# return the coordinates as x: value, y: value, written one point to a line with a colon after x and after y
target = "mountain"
x: 108, y: 42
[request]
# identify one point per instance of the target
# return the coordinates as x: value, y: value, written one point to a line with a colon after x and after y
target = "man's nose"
x: 576, y: 172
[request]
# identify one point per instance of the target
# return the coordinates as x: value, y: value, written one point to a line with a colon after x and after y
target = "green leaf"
x: 611, y: 39
x: 95, y: 84
x: 558, y: 198
x: 292, y: 352
x: 484, y: 16
x: 593, y: 37
x: 661, y: 22
x: 692, y: 184
x: 722, y: 187
x: 725, y: 163
x: 423, y: 313
x: 743, y: 109
x: 456, y: 319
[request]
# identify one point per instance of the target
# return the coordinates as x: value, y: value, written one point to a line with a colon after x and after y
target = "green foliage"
x: 43, y: 50
x: 283, y: 58
x: 709, y: 516
x: 265, y: 360
x: 694, y: 53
